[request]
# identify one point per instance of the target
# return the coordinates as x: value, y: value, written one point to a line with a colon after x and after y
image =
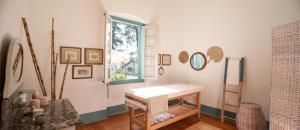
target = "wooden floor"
x: 121, y: 122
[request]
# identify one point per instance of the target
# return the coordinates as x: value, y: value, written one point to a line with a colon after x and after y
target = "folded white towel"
x: 233, y: 72
x: 158, y: 104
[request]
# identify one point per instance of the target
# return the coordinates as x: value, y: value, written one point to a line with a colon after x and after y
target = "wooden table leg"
x: 198, y: 105
x: 180, y: 101
x: 131, y: 118
x: 148, y: 120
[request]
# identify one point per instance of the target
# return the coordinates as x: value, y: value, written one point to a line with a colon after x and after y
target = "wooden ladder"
x: 226, y: 91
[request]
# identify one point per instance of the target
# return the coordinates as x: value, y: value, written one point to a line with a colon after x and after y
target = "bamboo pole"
x: 34, y: 60
x: 52, y: 63
x: 64, y: 78
x: 55, y: 70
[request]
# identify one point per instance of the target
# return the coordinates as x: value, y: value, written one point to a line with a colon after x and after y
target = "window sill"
x: 117, y: 82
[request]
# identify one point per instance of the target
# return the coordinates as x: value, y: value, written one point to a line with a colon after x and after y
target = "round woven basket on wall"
x: 250, y: 117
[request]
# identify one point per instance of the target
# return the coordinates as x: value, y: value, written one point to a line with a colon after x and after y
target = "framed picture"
x: 159, y: 59
x: 166, y: 59
x: 93, y: 56
x: 73, y: 52
x: 82, y: 71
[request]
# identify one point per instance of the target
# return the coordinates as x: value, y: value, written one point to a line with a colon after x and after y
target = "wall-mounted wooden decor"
x: 166, y: 59
x: 73, y: 52
x: 215, y: 54
x: 82, y: 71
x: 93, y: 56
x: 161, y: 70
x: 183, y: 57
x: 159, y: 59
x: 18, y: 63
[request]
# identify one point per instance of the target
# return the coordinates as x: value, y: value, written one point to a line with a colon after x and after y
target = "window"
x: 125, y: 50
x: 125, y: 59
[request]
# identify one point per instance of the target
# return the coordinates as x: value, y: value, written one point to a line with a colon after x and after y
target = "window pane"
x: 124, y: 54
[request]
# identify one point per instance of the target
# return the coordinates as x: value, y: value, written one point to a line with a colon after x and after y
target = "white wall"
x: 138, y: 10
x: 8, y: 18
x: 78, y: 23
x: 240, y: 27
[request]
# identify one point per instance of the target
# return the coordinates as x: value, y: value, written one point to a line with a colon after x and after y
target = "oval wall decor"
x: 215, y: 54
x: 161, y: 70
x: 183, y: 57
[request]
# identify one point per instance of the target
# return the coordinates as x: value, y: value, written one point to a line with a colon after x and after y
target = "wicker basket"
x: 250, y: 117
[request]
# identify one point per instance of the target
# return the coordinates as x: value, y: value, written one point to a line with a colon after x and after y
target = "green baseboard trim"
x: 267, y: 125
x: 215, y: 112
x: 91, y: 117
x: 207, y: 110
x: 114, y: 110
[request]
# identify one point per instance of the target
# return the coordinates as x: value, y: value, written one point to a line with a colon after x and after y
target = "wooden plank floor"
x: 121, y: 122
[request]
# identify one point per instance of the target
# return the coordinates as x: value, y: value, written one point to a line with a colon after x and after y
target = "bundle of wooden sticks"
x: 54, y: 57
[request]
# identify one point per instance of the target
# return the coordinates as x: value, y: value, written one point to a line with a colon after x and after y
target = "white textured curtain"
x: 285, y: 93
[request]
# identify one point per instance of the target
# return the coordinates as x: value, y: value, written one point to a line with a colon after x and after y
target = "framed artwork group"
x: 164, y: 59
x: 82, y: 71
x: 92, y: 56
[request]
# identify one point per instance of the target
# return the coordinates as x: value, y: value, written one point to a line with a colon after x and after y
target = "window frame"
x: 140, y: 27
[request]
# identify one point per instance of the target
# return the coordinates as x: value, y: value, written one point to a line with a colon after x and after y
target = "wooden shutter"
x: 108, y: 45
x: 150, y: 52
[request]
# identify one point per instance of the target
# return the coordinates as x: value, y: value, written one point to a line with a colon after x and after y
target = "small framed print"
x: 166, y: 59
x: 159, y: 59
x: 93, y: 56
x: 82, y: 71
x: 73, y: 52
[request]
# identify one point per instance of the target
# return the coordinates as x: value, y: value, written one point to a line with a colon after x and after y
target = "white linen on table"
x: 158, y: 104
x: 173, y: 90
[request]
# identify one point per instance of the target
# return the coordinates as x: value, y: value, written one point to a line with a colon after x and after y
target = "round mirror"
x: 198, y: 61
x: 17, y: 68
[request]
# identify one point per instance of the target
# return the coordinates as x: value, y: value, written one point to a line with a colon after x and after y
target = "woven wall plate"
x: 183, y: 57
x: 215, y: 54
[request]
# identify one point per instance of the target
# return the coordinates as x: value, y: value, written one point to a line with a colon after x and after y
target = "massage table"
x: 136, y: 101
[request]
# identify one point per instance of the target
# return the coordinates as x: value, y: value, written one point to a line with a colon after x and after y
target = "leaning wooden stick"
x: 35, y: 63
x: 64, y: 78
x: 55, y: 70
x: 52, y: 63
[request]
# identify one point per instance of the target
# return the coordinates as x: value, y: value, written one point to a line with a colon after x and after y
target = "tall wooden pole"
x: 53, y: 64
x: 34, y: 60
x: 55, y: 70
x: 64, y: 78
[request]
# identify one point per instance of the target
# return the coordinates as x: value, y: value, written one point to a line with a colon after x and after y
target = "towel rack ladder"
x: 225, y: 90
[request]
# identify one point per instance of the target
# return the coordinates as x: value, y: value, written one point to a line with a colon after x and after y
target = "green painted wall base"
x: 102, y: 114
x: 113, y: 110
x: 93, y: 116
